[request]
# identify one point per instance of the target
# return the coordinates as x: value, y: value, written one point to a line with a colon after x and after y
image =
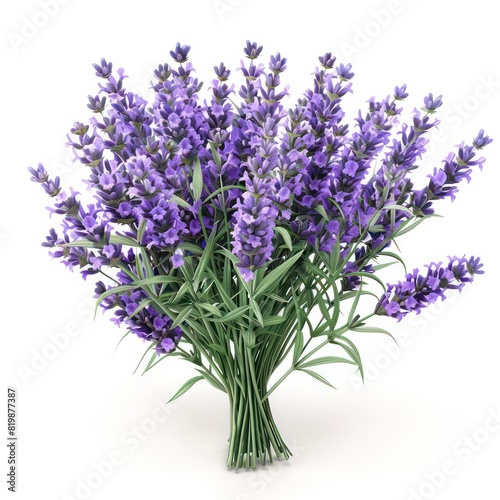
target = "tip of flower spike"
x: 400, y: 93
x: 96, y: 104
x: 38, y: 175
x: 222, y: 72
x: 327, y: 60
x: 474, y: 266
x: 481, y: 140
x: 180, y: 54
x: 432, y: 103
x: 420, y: 290
x: 104, y: 69
x: 344, y: 72
x: 252, y: 50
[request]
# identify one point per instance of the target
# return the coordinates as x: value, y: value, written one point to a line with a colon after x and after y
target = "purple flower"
x: 420, y: 290
x: 344, y: 71
x: 432, y: 103
x: 327, y: 60
x: 164, y: 174
x: 400, y: 93
x: 177, y: 260
x: 104, y: 69
x: 481, y: 140
x: 96, y: 104
x: 253, y: 233
x: 40, y: 175
x: 252, y: 50
x: 222, y: 72
x: 180, y: 53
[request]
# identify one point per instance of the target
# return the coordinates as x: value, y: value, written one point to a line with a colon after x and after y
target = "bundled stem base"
x: 254, y: 436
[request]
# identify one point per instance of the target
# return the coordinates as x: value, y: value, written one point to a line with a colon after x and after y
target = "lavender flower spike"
x: 418, y: 290
x: 253, y: 233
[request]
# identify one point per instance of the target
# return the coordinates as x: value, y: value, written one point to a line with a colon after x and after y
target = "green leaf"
x: 317, y: 376
x: 83, y: 243
x: 231, y: 316
x: 285, y: 234
x: 190, y: 247
x: 120, y: 341
x: 211, y: 380
x: 215, y: 153
x: 396, y: 257
x: 228, y: 254
x: 123, y: 240
x: 272, y: 279
x: 325, y: 360
x: 353, y: 352
x: 151, y: 345
x: 217, y: 348
x: 372, y: 329
x: 298, y: 346
x: 141, y: 306
x: 185, y: 387
x: 274, y: 320
x: 334, y: 258
x: 207, y: 255
x: 210, y: 308
x: 321, y: 210
x: 316, y: 270
x: 182, y: 316
x: 228, y: 302
x: 144, y: 268
x: 221, y: 190
x: 157, y: 280
x: 354, y: 305
x: 382, y: 266
x: 179, y: 201
x: 141, y: 230
x: 367, y: 275
x: 118, y: 290
x: 254, y: 307
x: 399, y: 208
x: 197, y: 180
x: 276, y: 298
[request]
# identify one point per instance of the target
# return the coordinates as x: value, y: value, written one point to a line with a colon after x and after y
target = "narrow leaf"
x: 234, y: 314
x: 254, y: 307
x: 185, y: 387
x: 197, y: 180
x: 123, y: 240
x: 211, y: 380
x: 272, y: 279
x: 325, y: 360
x: 317, y: 376
x: 298, y: 346
x: 274, y: 320
x: 285, y: 235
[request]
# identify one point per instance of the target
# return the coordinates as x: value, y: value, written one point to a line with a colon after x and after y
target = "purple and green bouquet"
x: 244, y: 237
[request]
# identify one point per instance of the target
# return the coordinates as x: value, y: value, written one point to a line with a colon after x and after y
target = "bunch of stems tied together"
x: 243, y: 236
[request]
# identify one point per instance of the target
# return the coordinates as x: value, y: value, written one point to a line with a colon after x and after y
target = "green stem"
x: 294, y: 367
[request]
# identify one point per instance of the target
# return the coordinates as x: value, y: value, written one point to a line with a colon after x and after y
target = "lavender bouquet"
x: 219, y: 229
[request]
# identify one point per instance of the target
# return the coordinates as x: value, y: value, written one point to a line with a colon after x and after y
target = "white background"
x: 79, y: 404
